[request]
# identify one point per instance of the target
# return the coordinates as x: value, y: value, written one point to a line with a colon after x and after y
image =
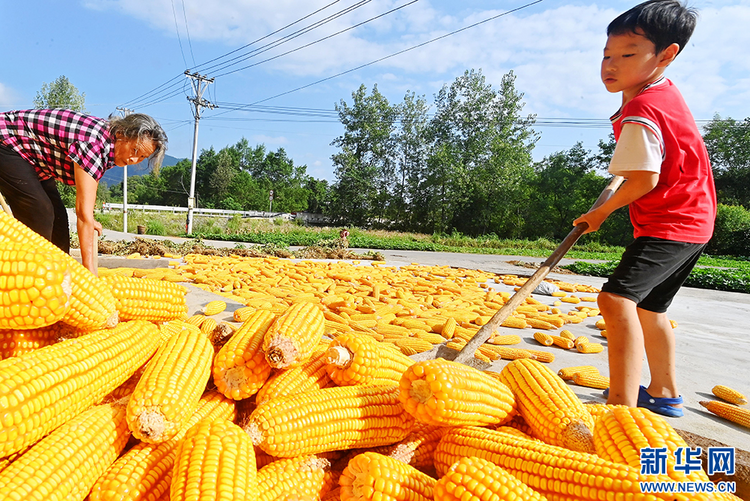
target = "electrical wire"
x: 187, y: 31
x: 391, y: 55
x: 320, y: 39
x: 179, y: 40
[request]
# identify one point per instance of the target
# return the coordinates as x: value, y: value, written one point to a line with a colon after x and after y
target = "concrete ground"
x: 713, y: 342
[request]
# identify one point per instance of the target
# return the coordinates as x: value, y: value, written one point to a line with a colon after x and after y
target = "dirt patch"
x: 741, y: 462
x: 149, y: 247
x: 535, y: 266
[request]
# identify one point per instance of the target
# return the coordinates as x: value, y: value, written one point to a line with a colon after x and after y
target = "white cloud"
x: 264, y: 139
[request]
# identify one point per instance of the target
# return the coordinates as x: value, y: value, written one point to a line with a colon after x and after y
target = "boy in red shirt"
x: 670, y: 192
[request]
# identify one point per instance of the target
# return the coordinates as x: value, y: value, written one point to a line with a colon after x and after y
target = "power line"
x: 288, y: 38
x: 158, y: 90
x: 393, y: 54
x: 187, y: 31
x: 174, y: 15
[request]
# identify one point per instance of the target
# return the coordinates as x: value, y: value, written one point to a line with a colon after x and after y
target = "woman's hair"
x: 663, y: 22
x: 140, y: 126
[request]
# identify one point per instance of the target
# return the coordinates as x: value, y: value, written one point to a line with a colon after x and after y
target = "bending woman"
x: 38, y: 147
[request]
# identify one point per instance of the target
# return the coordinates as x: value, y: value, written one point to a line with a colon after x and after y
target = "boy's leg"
x: 660, y: 350
x: 624, y: 348
x: 659, y: 336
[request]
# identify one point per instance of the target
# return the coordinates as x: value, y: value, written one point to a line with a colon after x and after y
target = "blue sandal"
x: 663, y: 406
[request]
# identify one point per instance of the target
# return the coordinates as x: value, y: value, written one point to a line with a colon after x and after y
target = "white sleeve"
x: 638, y: 148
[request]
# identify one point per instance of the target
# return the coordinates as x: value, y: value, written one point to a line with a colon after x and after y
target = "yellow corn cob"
x: 731, y: 412
x: 515, y: 322
x: 723, y: 392
x: 242, y: 314
x: 207, y: 326
x: 412, y: 345
x: 214, y: 461
x: 214, y: 308
x: 329, y: 419
x: 65, y: 464
x: 445, y: 393
x: 414, y: 324
x: 590, y: 348
x: 171, y: 386
x: 416, y: 450
x: 14, y: 343
x: 240, y: 366
x: 306, y: 477
x: 600, y: 324
x: 51, y: 385
x: 505, y: 340
x: 35, y: 287
x: 603, y: 333
x: 91, y: 303
x: 554, y: 472
x: 543, y: 338
x: 567, y: 373
x: 550, y: 407
x: 542, y: 356
x: 567, y: 334
x: 470, y: 478
x: 537, y: 323
x: 598, y: 410
x: 580, y: 340
x: 196, y: 320
x: 570, y: 299
x: 430, y: 337
x: 449, y: 328
x: 591, y: 380
x: 621, y: 433
x: 293, y: 336
x: 146, y: 299
x: 507, y: 353
x: 374, y: 477
x: 354, y: 359
x: 310, y: 374
x: 562, y: 342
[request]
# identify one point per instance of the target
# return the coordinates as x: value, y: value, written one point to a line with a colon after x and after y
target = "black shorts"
x: 652, y: 270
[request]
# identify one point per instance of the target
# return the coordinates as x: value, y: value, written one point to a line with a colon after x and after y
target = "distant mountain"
x: 114, y: 175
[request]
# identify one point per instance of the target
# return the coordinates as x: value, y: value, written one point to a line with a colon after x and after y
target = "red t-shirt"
x: 682, y: 206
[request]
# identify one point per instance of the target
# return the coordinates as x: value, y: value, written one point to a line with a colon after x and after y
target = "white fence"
x: 305, y: 217
x: 106, y: 207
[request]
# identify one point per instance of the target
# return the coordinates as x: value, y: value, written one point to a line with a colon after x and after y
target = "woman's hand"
x: 87, y: 226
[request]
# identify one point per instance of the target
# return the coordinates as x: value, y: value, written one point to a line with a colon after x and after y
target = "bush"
x: 732, y: 232
x: 155, y: 227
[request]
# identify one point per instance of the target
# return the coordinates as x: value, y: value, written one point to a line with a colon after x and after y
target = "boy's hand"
x: 594, y: 219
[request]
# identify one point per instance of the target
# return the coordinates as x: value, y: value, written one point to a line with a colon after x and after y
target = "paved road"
x: 713, y: 342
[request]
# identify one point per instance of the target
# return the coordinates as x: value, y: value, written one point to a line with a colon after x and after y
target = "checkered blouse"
x: 53, y: 140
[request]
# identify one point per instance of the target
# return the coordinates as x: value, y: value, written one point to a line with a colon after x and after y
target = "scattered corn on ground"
x: 351, y: 440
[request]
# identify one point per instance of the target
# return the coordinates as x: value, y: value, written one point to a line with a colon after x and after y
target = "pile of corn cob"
x: 121, y: 398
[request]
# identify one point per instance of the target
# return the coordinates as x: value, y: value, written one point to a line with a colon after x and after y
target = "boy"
x: 670, y: 192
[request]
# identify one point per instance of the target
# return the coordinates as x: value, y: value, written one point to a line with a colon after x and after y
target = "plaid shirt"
x: 54, y: 140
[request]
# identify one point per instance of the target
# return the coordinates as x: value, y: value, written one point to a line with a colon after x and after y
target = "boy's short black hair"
x: 663, y: 22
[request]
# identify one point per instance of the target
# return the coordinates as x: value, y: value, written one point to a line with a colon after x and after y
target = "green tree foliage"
x: 237, y: 177
x: 60, y: 94
x: 728, y: 144
x: 365, y: 166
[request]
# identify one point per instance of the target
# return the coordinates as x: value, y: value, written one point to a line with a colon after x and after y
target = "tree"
x: 411, y: 161
x: 60, y: 94
x: 480, y: 142
x: 364, y: 168
x: 728, y: 145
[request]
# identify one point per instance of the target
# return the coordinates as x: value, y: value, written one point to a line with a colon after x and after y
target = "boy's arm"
x: 637, y: 158
x: 637, y: 183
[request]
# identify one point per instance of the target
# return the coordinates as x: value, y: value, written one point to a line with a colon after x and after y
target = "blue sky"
x: 118, y: 51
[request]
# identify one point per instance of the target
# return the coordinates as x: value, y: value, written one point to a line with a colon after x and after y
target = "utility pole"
x: 125, y: 112
x: 199, y: 83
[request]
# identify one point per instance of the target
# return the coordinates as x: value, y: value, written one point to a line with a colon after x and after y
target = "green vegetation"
x: 725, y: 274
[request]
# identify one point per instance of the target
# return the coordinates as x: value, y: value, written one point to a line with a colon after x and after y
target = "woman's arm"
x: 87, y: 226
x: 638, y: 183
